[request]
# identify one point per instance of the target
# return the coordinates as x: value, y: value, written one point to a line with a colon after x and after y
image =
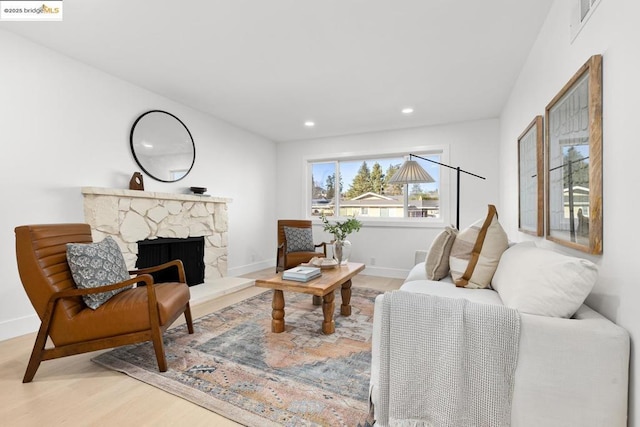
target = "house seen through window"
x: 361, y: 187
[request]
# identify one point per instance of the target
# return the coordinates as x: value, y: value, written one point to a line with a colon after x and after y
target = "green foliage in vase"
x: 341, y: 229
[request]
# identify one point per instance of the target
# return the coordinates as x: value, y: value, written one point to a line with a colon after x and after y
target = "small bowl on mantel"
x: 198, y: 190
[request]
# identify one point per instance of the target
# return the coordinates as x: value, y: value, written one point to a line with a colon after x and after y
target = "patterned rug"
x: 235, y: 366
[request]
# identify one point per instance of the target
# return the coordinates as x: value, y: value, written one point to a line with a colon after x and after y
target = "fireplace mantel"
x: 130, y: 216
x: 119, y: 192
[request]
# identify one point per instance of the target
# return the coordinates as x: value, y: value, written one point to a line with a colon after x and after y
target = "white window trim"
x: 577, y: 23
x: 445, y: 185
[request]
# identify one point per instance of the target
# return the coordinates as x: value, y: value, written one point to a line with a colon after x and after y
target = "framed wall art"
x: 531, y: 179
x: 573, y: 130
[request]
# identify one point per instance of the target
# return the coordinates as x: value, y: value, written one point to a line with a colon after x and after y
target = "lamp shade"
x: 410, y: 172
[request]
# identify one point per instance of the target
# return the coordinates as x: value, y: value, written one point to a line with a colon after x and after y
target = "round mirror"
x: 162, y: 146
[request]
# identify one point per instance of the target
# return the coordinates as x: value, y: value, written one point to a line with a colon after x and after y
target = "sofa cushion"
x: 418, y: 272
x: 540, y: 281
x: 97, y: 264
x: 437, y: 259
x: 299, y: 239
x: 449, y: 290
x: 476, y: 251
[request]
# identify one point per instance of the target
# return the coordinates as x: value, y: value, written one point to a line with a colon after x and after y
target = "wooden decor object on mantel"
x: 136, y: 182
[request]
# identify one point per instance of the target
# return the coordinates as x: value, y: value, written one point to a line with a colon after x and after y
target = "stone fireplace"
x: 130, y: 216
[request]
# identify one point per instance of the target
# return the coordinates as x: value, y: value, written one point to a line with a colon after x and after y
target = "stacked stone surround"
x: 131, y: 215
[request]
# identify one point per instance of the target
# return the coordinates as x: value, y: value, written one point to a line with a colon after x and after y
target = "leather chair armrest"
x: 175, y: 263
x: 324, y: 247
x: 77, y: 292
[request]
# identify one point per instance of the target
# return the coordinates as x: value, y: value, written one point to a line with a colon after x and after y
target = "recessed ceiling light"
x: 407, y: 110
x: 309, y: 124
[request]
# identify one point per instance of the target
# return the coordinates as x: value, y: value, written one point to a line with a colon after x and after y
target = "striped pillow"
x: 476, y: 252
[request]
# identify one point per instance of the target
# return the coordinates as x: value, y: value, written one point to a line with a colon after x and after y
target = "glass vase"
x: 342, y: 251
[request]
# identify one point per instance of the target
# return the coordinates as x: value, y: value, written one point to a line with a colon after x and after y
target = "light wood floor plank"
x: 74, y: 391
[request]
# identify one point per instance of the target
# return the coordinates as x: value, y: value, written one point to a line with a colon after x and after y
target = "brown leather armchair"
x: 135, y: 315
x: 284, y: 259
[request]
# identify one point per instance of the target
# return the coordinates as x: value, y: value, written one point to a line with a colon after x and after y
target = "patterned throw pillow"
x: 476, y: 252
x: 299, y: 239
x: 437, y: 260
x: 97, y: 264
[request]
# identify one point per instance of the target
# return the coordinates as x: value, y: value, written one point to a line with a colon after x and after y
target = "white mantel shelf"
x: 120, y: 192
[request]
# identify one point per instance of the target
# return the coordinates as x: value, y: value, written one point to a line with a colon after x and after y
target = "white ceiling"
x: 269, y: 65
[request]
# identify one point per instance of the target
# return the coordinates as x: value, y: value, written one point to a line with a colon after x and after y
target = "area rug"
x: 235, y: 366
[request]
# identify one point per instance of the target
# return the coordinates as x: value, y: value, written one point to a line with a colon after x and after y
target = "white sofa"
x: 570, y: 371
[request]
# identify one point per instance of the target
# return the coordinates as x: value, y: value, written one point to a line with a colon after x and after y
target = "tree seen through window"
x: 364, y: 189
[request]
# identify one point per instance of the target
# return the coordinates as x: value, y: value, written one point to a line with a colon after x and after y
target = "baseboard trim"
x: 393, y: 273
x: 213, y: 289
x: 21, y: 326
x: 251, y: 268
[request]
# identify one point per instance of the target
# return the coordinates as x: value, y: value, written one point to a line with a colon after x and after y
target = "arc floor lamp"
x: 411, y: 172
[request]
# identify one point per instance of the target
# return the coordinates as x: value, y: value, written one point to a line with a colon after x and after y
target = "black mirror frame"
x: 138, y: 160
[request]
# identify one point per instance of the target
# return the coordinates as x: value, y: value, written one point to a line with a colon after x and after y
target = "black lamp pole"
x: 458, y: 170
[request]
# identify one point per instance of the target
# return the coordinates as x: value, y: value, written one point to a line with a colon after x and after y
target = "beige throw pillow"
x: 437, y: 260
x: 476, y: 252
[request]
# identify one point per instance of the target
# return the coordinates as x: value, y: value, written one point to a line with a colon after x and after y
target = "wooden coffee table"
x: 322, y: 289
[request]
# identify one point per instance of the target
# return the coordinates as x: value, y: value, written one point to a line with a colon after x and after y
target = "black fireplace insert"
x: 190, y: 251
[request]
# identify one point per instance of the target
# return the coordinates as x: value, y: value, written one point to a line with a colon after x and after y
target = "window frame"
x: 445, y: 184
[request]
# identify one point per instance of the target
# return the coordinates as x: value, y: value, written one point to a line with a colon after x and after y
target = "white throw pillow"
x: 543, y: 282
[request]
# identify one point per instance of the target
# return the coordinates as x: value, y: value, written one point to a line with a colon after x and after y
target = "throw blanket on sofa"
x: 446, y: 362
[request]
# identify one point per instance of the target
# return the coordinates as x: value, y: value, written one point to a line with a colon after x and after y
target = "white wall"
x: 64, y: 125
x: 473, y: 147
x: 612, y: 31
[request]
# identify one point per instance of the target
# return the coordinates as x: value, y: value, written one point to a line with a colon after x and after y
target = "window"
x: 360, y: 186
x: 580, y: 14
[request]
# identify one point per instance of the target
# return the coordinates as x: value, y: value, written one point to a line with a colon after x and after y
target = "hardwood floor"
x: 74, y: 391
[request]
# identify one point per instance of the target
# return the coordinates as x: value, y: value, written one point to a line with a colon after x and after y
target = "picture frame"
x: 531, y: 178
x: 573, y: 167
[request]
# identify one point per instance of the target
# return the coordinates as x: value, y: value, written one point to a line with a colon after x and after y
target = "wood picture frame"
x: 531, y: 179
x: 573, y: 168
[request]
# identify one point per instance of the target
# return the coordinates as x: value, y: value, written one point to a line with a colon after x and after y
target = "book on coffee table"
x: 301, y: 274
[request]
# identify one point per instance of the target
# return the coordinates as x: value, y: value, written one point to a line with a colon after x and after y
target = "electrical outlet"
x: 373, y: 261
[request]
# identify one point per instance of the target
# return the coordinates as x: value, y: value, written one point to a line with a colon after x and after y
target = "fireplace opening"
x: 190, y: 251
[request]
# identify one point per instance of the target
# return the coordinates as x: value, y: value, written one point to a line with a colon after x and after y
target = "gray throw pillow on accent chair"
x: 97, y: 264
x: 299, y: 239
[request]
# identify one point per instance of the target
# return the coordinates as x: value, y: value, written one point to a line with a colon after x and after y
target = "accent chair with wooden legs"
x: 136, y: 314
x: 295, y: 244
